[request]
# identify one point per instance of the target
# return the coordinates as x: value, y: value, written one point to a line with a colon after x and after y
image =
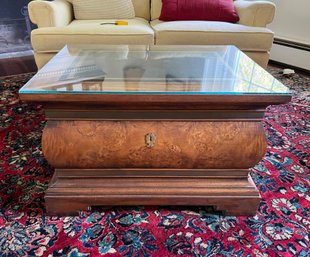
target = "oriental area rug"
x: 280, y: 227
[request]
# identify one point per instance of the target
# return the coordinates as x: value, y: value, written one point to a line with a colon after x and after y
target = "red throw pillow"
x: 211, y: 10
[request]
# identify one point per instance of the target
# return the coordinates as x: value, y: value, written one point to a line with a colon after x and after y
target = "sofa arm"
x: 57, y: 13
x: 256, y: 14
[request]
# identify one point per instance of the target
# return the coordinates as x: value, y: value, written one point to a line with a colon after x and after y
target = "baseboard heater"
x: 291, y: 54
x: 293, y: 44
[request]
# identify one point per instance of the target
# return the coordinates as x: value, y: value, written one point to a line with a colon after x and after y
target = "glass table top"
x: 128, y: 69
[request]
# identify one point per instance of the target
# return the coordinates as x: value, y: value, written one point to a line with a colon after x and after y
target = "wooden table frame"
x: 161, y: 166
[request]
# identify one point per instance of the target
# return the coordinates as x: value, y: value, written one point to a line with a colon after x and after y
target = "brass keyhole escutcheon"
x: 150, y: 139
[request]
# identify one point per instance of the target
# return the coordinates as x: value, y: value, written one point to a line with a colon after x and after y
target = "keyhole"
x: 150, y: 139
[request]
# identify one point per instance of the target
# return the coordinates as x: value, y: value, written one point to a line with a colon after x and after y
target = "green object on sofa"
x: 58, y: 25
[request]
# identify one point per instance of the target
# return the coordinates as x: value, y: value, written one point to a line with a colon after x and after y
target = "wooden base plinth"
x: 227, y: 190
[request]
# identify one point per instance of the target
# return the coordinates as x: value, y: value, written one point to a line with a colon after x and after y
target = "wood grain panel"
x: 121, y: 144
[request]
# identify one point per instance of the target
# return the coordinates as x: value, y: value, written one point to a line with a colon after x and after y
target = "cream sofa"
x: 57, y: 27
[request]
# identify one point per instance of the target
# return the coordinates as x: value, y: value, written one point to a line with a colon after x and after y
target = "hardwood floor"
x: 17, y: 65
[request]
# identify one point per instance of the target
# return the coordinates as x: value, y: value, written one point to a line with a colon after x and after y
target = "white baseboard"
x: 291, y: 56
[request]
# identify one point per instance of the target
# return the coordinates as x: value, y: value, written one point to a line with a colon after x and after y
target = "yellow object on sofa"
x: 62, y: 22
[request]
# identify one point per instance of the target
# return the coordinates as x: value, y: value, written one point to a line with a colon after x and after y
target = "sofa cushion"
x: 142, y: 8
x: 212, y: 33
x: 211, y: 10
x: 103, y: 9
x: 155, y: 9
x: 51, y: 39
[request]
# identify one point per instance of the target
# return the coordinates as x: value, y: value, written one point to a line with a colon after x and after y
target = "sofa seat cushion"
x: 51, y: 39
x: 212, y: 33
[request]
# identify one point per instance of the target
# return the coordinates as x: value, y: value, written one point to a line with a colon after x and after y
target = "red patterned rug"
x: 280, y: 227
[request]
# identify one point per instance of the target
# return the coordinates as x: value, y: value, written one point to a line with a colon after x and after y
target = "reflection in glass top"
x: 126, y: 69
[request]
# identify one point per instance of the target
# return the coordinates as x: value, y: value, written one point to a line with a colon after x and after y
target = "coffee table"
x: 153, y: 125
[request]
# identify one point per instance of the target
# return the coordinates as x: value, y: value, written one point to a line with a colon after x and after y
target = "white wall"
x: 292, y: 20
